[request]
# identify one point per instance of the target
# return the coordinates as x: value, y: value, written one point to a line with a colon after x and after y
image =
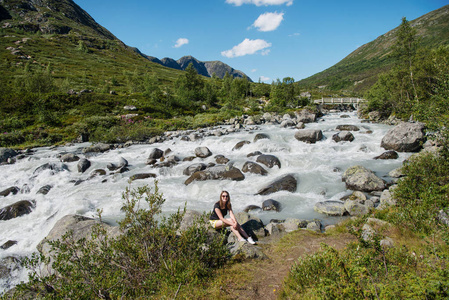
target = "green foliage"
x: 152, y: 256
x: 367, y: 270
x: 423, y: 192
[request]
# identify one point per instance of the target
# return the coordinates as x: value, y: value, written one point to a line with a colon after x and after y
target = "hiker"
x: 217, y: 220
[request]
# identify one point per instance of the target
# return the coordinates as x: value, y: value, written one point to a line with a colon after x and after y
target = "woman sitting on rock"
x: 218, y: 221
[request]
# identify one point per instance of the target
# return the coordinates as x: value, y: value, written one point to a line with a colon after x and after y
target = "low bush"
x: 151, y: 257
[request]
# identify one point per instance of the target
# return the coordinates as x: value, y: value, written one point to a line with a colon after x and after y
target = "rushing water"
x: 317, y: 167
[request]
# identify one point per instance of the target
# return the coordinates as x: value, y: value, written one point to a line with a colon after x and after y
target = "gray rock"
x: 287, y: 123
x: 8, y: 244
x: 361, y: 179
x: 391, y: 154
x: 246, y: 251
x: 194, y: 168
x: 142, y: 176
x: 347, y: 128
x: 254, y: 168
x: 331, y: 208
x: 121, y: 164
x: 69, y: 157
x: 11, y: 190
x: 386, y: 200
x: 83, y: 165
x: 220, y: 159
x: 216, y: 173
x: 189, y: 218
x: 99, y: 172
x: 292, y: 224
x: 251, y: 208
x: 156, y: 154
x: 260, y: 136
x: 252, y: 225
x: 285, y: 183
x: 271, y: 204
x: 310, y: 136
x: 44, y: 190
x: 355, y: 208
x: 98, y: 148
x: 343, y: 136
x: 6, y: 153
x: 255, y: 153
x: 17, y: 209
x: 405, y: 137
x: 269, y: 160
x: 314, y: 226
x: 443, y: 217
x: 305, y: 116
x: 202, y: 152
x: 240, y: 145
x: 55, y: 168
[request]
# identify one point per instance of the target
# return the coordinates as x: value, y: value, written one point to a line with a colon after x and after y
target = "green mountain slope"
x: 358, y: 71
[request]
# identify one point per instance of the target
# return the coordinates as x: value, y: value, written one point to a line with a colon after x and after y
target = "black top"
x: 214, y: 216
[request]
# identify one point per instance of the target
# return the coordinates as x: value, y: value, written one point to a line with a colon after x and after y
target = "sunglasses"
x: 224, y: 196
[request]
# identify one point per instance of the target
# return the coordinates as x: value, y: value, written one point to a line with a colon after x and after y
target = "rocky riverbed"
x: 283, y: 173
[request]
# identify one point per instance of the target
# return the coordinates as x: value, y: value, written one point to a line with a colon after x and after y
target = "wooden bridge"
x: 354, y: 101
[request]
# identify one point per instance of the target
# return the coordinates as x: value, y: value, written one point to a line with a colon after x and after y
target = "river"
x: 317, y: 167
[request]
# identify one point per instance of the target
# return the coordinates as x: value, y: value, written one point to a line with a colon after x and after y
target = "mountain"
x: 49, y: 17
x: 207, y: 68
x: 359, y: 70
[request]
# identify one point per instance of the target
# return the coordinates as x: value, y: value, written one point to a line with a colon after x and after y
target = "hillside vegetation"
x: 359, y: 70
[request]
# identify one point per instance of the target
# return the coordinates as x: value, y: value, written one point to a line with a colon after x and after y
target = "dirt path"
x: 263, y: 279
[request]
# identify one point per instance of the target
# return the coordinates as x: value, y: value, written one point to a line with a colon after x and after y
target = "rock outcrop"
x: 405, y: 137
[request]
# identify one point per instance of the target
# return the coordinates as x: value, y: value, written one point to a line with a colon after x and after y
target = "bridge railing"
x: 344, y: 100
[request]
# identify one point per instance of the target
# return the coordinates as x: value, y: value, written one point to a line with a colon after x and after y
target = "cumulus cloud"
x: 260, y: 2
x: 180, y: 42
x: 269, y: 21
x: 264, y: 79
x: 248, y: 47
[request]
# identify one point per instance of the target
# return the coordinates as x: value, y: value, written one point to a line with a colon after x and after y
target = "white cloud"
x: 264, y: 79
x: 260, y: 2
x: 180, y: 42
x: 295, y: 34
x: 247, y: 47
x: 253, y: 70
x: 269, y: 21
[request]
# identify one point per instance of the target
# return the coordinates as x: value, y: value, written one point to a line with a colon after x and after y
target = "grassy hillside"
x: 359, y: 70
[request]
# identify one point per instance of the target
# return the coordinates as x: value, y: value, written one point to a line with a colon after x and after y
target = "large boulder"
x: 346, y: 127
x: 202, y: 152
x: 331, y: 208
x: 355, y: 208
x: 6, y: 153
x: 405, y: 137
x: 271, y: 204
x: 122, y: 163
x: 216, y: 173
x: 194, y: 168
x: 261, y: 136
x: 11, y: 190
x: 310, y: 136
x: 240, y: 145
x: 359, y: 178
x: 100, y: 147
x: 343, y: 136
x: 305, y: 116
x: 269, y: 160
x: 254, y: 168
x: 69, y: 157
x: 53, y: 167
x: 81, y: 227
x: 83, y: 165
x: 285, y: 183
x: 17, y: 209
x: 390, y: 154
x: 156, y: 153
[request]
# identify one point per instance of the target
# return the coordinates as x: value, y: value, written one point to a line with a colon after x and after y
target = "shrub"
x: 151, y: 256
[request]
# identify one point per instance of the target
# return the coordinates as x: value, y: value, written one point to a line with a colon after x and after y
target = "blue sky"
x: 266, y: 39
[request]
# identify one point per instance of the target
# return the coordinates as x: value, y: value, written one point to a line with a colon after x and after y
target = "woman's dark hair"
x: 228, y: 206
